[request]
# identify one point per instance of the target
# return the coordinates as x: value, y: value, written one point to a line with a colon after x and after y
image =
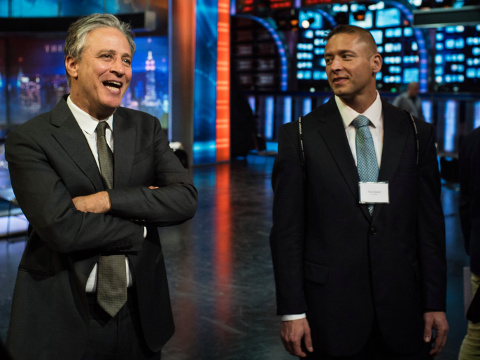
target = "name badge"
x: 373, y: 192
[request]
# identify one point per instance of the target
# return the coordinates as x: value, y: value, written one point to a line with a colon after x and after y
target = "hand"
x: 292, y: 334
x: 437, y: 321
x: 153, y: 187
x: 96, y: 203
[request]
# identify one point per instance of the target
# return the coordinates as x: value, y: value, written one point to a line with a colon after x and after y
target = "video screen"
x: 398, y: 45
x: 35, y: 80
x: 310, y: 19
x: 387, y: 18
x: 54, y: 8
x: 457, y: 58
x: 362, y: 19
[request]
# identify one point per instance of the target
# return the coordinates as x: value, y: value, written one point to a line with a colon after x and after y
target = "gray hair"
x: 78, y: 31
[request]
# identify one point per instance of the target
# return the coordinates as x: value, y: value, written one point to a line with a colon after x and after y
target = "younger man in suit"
x: 357, y: 241
x: 95, y: 180
x: 470, y: 220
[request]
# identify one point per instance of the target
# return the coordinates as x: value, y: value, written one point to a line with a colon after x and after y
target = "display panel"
x: 280, y: 4
x: 52, y: 8
x: 310, y: 19
x: 35, y: 77
x: 363, y: 19
x: 396, y: 43
x: 3, y: 88
x: 457, y: 58
x: 245, y: 6
x: 388, y: 17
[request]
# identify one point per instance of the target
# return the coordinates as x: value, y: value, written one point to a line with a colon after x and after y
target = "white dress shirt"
x: 88, y: 124
x: 375, y: 114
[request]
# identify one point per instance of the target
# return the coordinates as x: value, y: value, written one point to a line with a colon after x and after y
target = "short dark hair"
x: 364, y: 35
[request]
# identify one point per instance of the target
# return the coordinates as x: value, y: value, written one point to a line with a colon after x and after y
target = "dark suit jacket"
x: 469, y: 160
x: 339, y: 265
x: 50, y: 163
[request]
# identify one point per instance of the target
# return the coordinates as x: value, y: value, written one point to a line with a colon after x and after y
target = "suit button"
x: 373, y: 230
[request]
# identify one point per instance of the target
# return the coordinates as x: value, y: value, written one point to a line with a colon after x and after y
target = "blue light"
x: 427, y: 110
x: 307, y: 106
x: 252, y: 102
x: 450, y: 122
x: 269, y: 114
x: 476, y: 115
x: 287, y: 109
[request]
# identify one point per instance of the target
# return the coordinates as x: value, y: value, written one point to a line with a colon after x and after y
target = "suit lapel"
x: 69, y: 135
x: 332, y: 131
x: 124, y: 135
x: 394, y: 137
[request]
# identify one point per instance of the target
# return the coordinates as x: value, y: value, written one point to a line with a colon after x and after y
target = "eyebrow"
x: 114, y: 52
x: 341, y: 52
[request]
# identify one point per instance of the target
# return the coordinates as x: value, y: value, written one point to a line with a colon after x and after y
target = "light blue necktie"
x: 367, y: 165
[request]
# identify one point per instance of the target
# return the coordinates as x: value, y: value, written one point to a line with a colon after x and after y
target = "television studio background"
x: 222, y: 76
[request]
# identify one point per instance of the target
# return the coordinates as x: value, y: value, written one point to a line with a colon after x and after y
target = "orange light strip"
x: 223, y: 81
x: 223, y: 255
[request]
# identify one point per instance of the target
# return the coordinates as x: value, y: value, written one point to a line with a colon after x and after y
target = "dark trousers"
x: 117, y: 338
x: 376, y: 349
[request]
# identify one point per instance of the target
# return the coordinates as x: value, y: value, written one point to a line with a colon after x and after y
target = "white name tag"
x: 373, y: 192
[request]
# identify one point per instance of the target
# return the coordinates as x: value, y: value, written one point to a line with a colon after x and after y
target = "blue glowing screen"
x: 35, y: 80
x: 397, y: 44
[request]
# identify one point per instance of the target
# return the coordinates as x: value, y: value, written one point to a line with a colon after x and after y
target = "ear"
x: 376, y: 61
x: 71, y: 66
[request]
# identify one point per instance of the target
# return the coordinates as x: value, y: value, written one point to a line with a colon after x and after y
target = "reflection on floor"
x: 220, y: 271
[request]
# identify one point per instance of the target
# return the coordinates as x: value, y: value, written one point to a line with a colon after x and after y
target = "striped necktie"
x: 112, y: 274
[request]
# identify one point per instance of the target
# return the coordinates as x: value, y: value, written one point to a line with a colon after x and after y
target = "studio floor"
x: 220, y: 270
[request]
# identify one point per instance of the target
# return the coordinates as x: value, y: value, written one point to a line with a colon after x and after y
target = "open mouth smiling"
x: 112, y: 85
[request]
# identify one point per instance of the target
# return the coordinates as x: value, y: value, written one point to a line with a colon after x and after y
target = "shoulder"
x: 34, y: 126
x: 472, y: 140
x: 134, y: 114
x: 473, y: 136
x: 136, y: 118
x: 313, y: 118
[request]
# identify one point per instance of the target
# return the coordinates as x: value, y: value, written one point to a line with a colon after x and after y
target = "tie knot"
x: 101, y: 127
x: 360, y: 121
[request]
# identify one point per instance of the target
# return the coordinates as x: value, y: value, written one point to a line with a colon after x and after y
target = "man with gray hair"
x: 95, y: 180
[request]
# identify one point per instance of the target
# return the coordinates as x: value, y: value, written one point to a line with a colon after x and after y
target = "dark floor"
x: 220, y: 270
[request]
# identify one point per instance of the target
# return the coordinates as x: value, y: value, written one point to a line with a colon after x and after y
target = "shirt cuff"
x: 293, y: 317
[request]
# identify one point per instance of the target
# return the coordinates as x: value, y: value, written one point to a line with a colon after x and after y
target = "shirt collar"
x: 373, y: 113
x: 86, y: 122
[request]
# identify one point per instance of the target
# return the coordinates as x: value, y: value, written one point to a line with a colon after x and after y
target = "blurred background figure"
x: 410, y: 101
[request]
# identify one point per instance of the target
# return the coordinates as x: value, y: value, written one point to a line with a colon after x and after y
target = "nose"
x: 336, y: 64
x: 118, y: 67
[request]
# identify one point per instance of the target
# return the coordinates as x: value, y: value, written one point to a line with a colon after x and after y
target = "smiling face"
x: 100, y: 78
x: 351, y: 66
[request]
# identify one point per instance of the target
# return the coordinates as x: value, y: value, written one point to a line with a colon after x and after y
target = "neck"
x: 360, y: 103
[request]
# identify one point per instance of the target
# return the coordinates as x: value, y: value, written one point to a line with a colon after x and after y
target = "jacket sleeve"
x: 431, y: 224
x: 47, y: 203
x: 287, y: 234
x: 175, y: 199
